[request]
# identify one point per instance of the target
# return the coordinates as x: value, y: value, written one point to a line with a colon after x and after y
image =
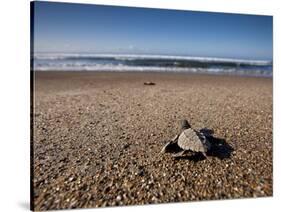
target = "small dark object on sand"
x: 149, y: 83
x: 188, y: 140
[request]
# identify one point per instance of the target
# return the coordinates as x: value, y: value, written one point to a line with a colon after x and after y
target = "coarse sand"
x: 97, y: 138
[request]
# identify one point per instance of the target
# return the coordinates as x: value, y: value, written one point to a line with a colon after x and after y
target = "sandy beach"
x: 97, y: 138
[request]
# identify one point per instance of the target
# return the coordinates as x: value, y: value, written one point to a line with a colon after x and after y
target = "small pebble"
x: 118, y: 198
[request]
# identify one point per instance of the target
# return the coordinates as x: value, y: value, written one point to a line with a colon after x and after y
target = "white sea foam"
x: 56, y: 56
x: 122, y: 68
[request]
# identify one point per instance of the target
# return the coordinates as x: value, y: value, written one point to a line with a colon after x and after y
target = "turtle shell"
x: 192, y: 140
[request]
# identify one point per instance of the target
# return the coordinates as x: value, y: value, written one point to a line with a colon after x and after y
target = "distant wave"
x: 147, y: 56
x: 159, y: 63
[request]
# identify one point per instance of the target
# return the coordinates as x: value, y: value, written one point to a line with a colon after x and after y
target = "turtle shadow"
x: 219, y: 147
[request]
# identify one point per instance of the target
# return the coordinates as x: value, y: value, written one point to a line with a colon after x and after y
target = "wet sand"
x: 97, y: 138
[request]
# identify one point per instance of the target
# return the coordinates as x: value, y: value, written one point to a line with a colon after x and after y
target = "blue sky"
x: 64, y: 27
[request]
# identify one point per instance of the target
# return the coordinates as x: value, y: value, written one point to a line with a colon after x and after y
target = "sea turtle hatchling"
x: 188, y: 140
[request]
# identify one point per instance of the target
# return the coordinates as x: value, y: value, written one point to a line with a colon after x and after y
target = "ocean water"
x: 158, y: 63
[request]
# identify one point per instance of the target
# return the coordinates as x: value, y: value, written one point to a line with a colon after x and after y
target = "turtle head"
x: 185, y: 125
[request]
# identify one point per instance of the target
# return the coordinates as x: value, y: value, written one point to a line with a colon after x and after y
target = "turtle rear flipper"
x: 179, y: 154
x: 205, y: 155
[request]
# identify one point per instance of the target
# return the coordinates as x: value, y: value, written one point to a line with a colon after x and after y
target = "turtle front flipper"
x: 167, y: 145
x: 175, y: 139
x: 170, y: 144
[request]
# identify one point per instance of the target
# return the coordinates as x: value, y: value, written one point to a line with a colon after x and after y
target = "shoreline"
x: 157, y: 72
